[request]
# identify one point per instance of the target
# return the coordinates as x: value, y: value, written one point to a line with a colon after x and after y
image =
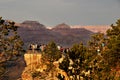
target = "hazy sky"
x: 53, y: 12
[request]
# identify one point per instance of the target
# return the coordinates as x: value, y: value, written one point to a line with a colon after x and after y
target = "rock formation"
x: 36, y: 69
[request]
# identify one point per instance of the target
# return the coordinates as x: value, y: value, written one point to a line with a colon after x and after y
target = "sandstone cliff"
x: 37, y: 69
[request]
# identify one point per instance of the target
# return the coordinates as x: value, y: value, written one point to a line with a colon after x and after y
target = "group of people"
x: 37, y: 47
x: 41, y: 47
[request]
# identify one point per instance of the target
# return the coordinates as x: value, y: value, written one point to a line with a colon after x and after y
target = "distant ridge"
x: 63, y: 34
x: 94, y: 28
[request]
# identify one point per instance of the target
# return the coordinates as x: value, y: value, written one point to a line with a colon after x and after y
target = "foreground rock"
x: 36, y: 69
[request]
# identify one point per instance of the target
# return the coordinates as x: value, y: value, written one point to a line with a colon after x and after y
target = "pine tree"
x: 112, y: 55
x: 10, y: 43
x: 50, y: 54
x: 77, y: 56
x: 97, y: 64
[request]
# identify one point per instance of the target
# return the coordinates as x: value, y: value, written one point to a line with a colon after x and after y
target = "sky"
x: 53, y: 12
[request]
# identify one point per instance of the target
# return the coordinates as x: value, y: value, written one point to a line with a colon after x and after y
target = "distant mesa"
x: 33, y: 25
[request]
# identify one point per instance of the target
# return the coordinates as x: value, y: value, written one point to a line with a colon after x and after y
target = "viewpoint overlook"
x: 62, y: 52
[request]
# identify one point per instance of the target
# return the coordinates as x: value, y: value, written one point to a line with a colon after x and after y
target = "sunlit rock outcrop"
x: 37, y: 69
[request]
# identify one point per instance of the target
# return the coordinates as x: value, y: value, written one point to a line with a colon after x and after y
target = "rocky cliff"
x: 37, y: 69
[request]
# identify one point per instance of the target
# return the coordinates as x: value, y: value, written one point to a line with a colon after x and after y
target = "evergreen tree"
x: 87, y: 62
x: 51, y: 52
x: 97, y: 43
x: 112, y: 55
x: 10, y: 43
x: 73, y: 64
x: 97, y: 64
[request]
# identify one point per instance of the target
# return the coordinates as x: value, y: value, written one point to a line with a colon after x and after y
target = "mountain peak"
x: 62, y: 26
